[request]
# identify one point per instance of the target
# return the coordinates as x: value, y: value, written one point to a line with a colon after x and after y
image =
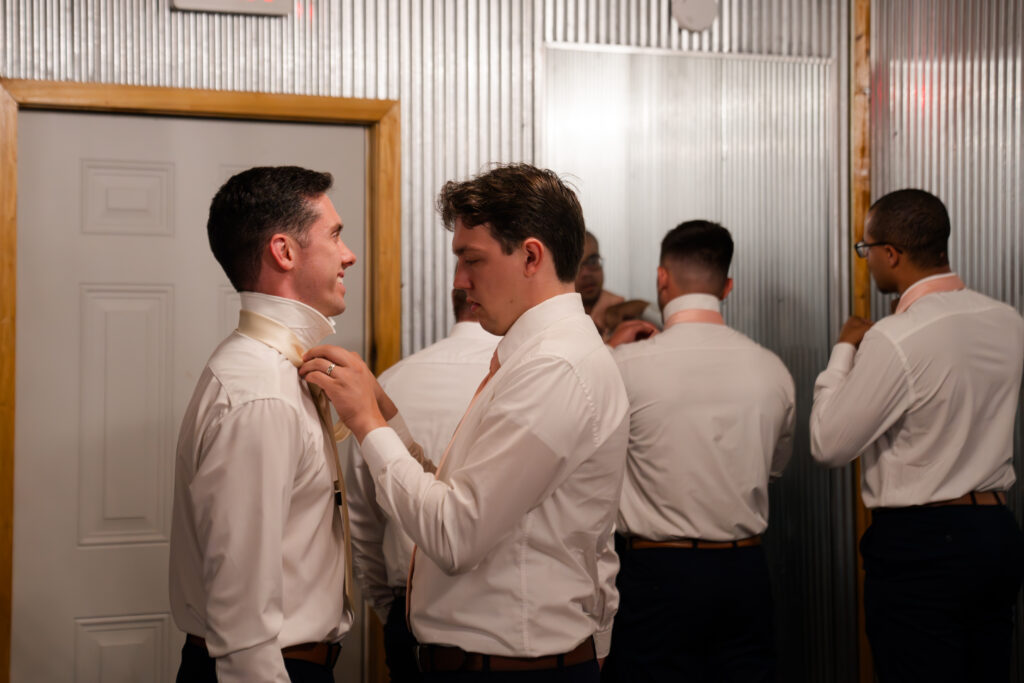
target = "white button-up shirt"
x: 711, y: 419
x: 515, y: 555
x: 257, y: 543
x: 928, y: 400
x: 431, y: 389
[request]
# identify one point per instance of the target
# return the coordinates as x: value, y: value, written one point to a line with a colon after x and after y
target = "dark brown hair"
x: 915, y: 221
x: 518, y: 201
x: 254, y: 205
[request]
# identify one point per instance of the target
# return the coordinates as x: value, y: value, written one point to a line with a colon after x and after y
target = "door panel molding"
x: 383, y: 228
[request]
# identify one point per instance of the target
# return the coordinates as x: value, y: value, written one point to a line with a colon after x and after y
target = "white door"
x: 119, y: 305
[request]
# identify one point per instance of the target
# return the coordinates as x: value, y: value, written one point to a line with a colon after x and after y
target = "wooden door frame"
x: 383, y: 229
x: 860, y: 277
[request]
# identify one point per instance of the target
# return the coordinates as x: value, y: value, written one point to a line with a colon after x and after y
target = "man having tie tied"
x: 513, y: 575
x: 711, y: 421
x: 258, y: 547
x: 928, y: 402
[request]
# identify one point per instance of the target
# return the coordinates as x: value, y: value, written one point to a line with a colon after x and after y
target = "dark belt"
x: 440, y: 659
x: 974, y: 498
x: 637, y: 543
x: 325, y: 654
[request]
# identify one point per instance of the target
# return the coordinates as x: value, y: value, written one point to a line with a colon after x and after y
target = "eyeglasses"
x: 862, y: 247
x: 593, y: 262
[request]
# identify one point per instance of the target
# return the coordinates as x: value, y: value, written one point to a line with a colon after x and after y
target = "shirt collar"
x: 307, y: 324
x: 923, y: 280
x: 707, y: 302
x: 536, y: 320
x: 469, y: 330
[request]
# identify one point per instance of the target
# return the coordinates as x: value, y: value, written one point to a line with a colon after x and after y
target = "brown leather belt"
x: 974, y: 498
x: 637, y: 543
x: 441, y: 659
x: 325, y: 654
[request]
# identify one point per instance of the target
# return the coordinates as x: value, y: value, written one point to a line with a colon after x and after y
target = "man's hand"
x: 631, y: 331
x: 352, y: 388
x: 854, y: 330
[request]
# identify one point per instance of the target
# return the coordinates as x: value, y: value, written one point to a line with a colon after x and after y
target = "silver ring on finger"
x: 330, y: 369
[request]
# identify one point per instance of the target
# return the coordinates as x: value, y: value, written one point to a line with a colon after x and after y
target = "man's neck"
x: 919, y: 274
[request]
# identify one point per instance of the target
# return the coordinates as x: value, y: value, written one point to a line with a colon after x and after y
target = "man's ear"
x: 534, y: 251
x: 283, y: 251
x: 726, y: 289
x: 663, y: 276
x: 892, y: 255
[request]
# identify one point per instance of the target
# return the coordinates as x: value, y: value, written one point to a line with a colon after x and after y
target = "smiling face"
x: 492, y: 280
x: 321, y: 261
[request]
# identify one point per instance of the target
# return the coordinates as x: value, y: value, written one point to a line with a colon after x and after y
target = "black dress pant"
x: 939, y: 588
x: 400, y: 646
x: 587, y: 672
x: 692, y: 615
x: 197, y: 666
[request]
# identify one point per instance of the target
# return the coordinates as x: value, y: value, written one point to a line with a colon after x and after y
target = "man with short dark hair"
x: 258, y: 548
x: 928, y: 402
x: 513, y: 578
x: 432, y: 388
x: 590, y: 284
x: 711, y: 421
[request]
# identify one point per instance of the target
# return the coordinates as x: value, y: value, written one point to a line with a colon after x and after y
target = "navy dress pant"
x: 197, y: 666
x: 939, y: 589
x: 400, y: 646
x: 692, y: 615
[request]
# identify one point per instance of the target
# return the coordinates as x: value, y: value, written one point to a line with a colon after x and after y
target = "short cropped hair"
x: 254, y: 205
x: 519, y: 201
x: 914, y: 221
x: 702, y: 243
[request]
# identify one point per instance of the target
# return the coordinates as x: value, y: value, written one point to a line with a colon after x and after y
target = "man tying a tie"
x: 259, y: 554
x: 711, y: 422
x: 513, y: 575
x: 927, y: 398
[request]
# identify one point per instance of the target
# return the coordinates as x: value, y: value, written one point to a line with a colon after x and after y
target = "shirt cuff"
x: 401, y: 429
x: 603, y: 642
x: 381, y: 447
x: 842, y: 357
x: 261, y: 663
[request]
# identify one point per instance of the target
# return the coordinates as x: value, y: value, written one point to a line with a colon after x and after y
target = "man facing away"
x: 513, y: 576
x: 590, y: 284
x: 257, y: 569
x: 711, y: 421
x: 928, y: 402
x: 432, y: 389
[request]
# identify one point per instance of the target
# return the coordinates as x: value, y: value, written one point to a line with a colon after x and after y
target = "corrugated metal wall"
x: 463, y: 69
x: 947, y: 117
x: 466, y: 73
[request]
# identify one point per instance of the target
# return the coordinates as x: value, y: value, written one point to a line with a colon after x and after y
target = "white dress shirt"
x: 257, y: 543
x: 928, y: 400
x: 515, y: 552
x: 432, y: 389
x: 711, y: 419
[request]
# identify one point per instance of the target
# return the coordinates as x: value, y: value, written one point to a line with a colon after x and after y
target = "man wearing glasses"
x: 928, y: 397
x: 590, y: 284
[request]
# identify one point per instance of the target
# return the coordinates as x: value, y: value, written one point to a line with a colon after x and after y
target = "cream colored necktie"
x: 495, y: 364
x: 281, y: 339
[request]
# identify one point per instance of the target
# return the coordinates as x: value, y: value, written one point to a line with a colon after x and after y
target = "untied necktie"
x: 695, y: 315
x: 281, y: 339
x: 495, y: 365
